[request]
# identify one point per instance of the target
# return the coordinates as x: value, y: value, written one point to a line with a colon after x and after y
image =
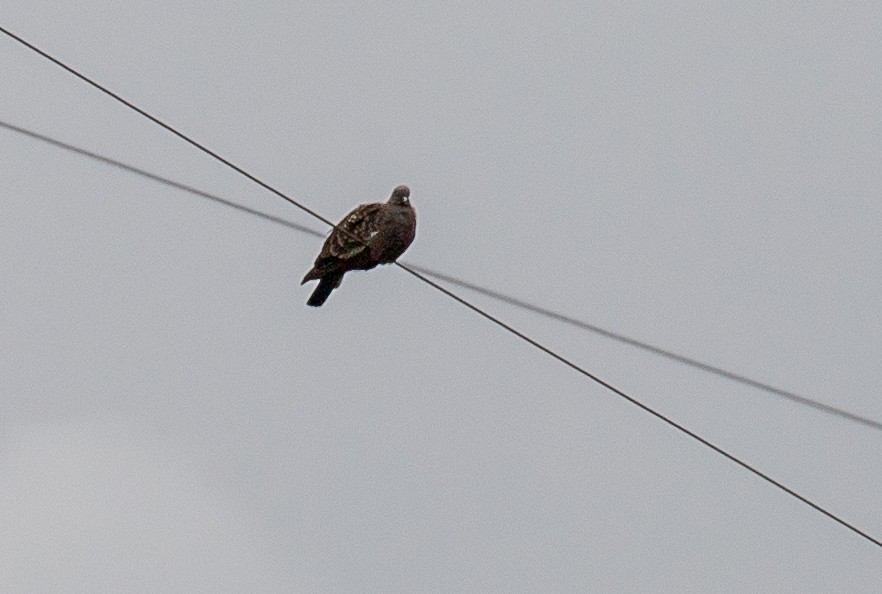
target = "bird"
x: 371, y: 234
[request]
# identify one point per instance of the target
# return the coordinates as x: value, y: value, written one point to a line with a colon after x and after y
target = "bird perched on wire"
x: 369, y: 235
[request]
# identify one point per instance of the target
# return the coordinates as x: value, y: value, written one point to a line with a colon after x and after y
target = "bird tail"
x: 328, y: 283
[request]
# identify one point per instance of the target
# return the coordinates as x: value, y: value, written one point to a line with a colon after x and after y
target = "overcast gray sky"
x: 704, y: 177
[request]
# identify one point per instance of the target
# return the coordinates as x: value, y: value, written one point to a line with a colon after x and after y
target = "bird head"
x: 400, y: 196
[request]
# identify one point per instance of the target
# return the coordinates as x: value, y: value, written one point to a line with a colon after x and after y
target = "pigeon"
x: 371, y: 234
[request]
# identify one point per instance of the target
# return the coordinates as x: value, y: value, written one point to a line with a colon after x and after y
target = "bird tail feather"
x: 328, y: 283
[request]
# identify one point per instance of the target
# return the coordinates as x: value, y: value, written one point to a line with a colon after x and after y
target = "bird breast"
x: 398, y: 228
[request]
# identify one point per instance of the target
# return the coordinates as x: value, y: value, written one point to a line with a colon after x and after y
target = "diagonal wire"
x: 820, y: 406
x: 469, y: 305
x: 157, y: 178
x: 162, y: 124
x: 731, y: 375
x: 642, y: 406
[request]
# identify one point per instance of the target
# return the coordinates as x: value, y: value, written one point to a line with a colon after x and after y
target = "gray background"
x: 700, y: 176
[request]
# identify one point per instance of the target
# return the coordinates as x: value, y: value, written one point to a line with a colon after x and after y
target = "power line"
x: 159, y: 122
x: 467, y: 304
x: 471, y: 286
x: 157, y: 178
x: 731, y: 375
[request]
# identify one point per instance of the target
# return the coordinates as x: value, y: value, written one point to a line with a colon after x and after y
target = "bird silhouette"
x: 371, y: 234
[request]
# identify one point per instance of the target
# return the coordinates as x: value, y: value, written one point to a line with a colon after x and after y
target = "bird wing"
x: 353, y: 233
